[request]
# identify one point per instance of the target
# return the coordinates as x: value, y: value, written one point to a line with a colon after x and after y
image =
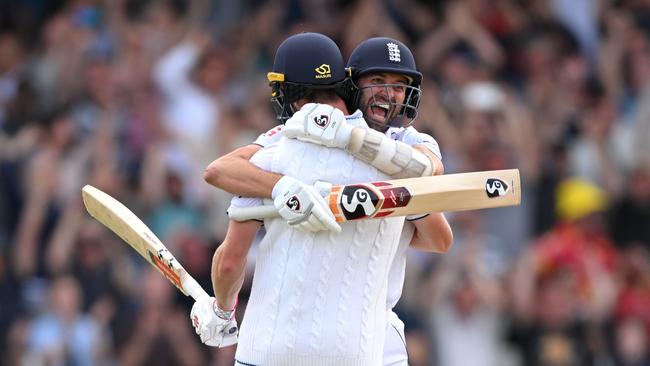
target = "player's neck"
x: 336, y: 103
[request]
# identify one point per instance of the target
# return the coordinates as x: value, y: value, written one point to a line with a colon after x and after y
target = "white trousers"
x: 395, y: 344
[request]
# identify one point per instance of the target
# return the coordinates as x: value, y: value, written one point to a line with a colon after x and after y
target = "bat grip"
x: 192, y: 287
x: 252, y: 213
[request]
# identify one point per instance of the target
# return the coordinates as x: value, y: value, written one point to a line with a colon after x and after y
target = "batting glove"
x: 216, y: 327
x: 320, y: 124
x: 302, y: 206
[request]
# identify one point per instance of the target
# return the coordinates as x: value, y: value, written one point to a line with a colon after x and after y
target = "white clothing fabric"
x: 395, y: 344
x: 398, y: 267
x: 395, y: 352
x: 190, y: 111
x: 455, y: 335
x: 191, y: 115
x: 319, y: 299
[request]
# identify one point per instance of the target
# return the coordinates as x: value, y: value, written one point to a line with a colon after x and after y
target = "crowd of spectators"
x: 136, y: 97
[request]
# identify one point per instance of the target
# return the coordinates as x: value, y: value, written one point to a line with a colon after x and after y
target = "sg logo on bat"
x: 495, y: 187
x: 377, y: 199
x: 359, y: 201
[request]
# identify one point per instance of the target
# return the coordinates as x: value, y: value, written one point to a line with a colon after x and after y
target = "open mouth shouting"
x: 383, y: 104
x: 380, y: 109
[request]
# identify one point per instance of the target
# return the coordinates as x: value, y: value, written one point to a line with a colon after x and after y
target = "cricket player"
x: 394, y: 100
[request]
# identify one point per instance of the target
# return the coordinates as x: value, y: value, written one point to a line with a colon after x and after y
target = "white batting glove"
x: 216, y: 327
x: 302, y: 206
x: 323, y: 188
x: 320, y: 124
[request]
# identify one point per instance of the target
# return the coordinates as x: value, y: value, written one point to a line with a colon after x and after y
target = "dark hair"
x: 322, y: 96
x: 51, y: 117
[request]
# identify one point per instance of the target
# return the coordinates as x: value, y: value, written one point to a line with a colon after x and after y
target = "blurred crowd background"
x: 137, y: 96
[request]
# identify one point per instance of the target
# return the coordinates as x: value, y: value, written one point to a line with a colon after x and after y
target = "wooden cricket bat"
x: 401, y: 197
x: 115, y: 216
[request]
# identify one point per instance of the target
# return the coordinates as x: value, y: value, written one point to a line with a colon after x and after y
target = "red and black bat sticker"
x: 360, y: 201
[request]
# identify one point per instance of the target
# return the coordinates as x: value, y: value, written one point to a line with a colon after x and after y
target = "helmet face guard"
x: 284, y: 94
x: 397, y: 114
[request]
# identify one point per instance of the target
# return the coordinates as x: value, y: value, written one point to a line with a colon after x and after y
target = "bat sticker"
x: 359, y: 201
x: 495, y: 187
x: 165, y: 267
x: 396, y: 197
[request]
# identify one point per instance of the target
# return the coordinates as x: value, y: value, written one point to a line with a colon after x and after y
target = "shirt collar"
x: 356, y: 119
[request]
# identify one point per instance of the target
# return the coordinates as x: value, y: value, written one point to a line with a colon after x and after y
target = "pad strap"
x: 394, y: 158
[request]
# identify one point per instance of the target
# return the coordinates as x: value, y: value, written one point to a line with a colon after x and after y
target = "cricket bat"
x: 115, y: 216
x: 401, y: 197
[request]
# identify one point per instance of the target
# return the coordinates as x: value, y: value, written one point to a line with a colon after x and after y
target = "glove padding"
x: 320, y: 124
x: 302, y: 206
x: 214, y: 331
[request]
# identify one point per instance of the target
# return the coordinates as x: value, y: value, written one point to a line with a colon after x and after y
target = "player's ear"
x: 298, y: 104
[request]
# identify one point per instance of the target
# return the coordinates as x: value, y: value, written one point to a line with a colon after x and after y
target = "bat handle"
x: 192, y: 287
x: 252, y: 213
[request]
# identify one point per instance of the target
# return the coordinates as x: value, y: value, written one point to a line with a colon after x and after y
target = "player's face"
x: 382, y: 96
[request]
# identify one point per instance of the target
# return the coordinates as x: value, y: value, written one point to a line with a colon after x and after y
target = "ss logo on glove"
x: 321, y: 121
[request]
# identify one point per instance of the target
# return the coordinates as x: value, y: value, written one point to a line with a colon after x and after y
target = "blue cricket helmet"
x: 305, y: 62
x: 387, y: 55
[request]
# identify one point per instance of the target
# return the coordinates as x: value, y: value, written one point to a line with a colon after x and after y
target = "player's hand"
x: 216, y: 327
x: 302, y: 206
x: 320, y: 124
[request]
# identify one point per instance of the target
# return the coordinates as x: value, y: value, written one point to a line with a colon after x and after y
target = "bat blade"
x: 401, y: 197
x: 449, y: 192
x: 119, y: 219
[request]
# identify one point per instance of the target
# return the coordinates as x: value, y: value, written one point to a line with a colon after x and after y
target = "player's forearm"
x: 235, y: 174
x: 227, y: 278
x: 229, y: 262
x: 432, y: 234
